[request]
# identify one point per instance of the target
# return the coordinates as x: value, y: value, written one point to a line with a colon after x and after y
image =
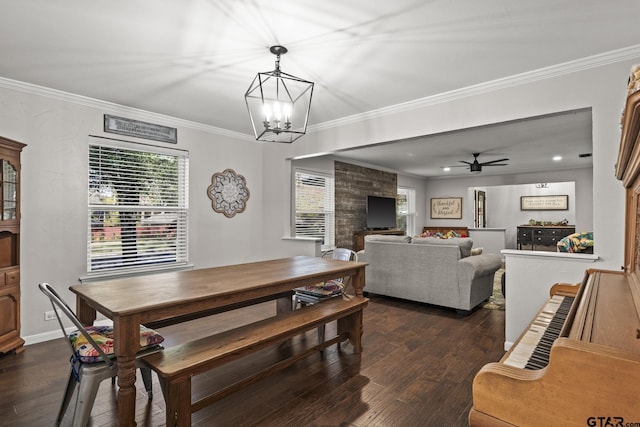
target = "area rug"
x: 496, y: 301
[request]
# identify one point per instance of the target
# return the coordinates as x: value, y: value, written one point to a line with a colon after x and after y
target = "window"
x: 314, y: 206
x: 406, y: 210
x: 137, y: 216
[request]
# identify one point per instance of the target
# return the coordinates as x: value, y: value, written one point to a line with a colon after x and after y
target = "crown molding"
x: 111, y: 107
x: 619, y: 55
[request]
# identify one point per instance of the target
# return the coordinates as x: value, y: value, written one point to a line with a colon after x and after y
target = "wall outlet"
x: 49, y: 315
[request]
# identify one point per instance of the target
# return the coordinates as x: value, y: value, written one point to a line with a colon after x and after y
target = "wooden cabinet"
x: 358, y: 236
x: 10, y: 246
x: 542, y: 237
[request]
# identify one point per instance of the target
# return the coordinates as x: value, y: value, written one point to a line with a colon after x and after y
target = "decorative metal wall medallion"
x: 228, y: 193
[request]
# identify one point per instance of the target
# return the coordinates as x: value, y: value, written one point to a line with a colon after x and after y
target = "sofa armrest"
x: 477, y: 266
x: 475, y: 278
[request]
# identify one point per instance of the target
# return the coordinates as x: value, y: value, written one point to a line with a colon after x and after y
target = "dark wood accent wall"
x: 352, y: 186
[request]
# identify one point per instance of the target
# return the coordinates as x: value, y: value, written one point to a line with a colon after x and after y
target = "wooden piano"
x: 578, y: 361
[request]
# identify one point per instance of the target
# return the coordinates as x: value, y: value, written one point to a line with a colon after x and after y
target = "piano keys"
x: 532, y: 351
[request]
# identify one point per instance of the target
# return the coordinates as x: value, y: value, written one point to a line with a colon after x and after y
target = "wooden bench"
x: 176, y: 365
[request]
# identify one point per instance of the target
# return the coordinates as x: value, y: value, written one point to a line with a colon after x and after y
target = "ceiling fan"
x: 477, y: 166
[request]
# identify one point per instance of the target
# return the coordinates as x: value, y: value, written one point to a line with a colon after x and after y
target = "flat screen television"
x: 381, y: 213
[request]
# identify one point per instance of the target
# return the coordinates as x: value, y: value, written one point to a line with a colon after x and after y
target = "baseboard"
x: 43, y: 337
x: 52, y: 335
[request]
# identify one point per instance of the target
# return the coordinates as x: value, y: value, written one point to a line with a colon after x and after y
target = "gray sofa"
x: 430, y: 270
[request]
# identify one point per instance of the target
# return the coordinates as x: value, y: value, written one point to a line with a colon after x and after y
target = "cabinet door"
x: 8, y: 313
x: 9, y: 191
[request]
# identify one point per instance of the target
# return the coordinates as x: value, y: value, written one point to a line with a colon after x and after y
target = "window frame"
x: 328, y: 240
x: 167, y: 242
x: 411, y: 209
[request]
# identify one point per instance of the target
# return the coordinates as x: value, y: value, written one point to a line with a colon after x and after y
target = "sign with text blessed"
x: 446, y: 208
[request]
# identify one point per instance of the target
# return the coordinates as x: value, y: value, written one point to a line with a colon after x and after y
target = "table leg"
x: 357, y: 281
x: 178, y: 403
x: 352, y: 324
x: 85, y: 313
x: 284, y: 305
x: 127, y: 343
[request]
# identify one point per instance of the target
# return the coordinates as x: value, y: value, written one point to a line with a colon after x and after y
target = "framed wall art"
x: 446, y: 208
x: 129, y: 127
x: 544, y: 203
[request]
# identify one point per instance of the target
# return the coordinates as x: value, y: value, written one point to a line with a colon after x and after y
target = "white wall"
x: 503, y: 198
x: 503, y: 207
x: 503, y: 203
x: 54, y: 194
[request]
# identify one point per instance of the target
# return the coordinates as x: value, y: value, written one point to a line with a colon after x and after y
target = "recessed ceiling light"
x: 446, y: 169
x: 557, y: 158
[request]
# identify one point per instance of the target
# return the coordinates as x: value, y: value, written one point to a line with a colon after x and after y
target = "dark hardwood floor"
x: 416, y: 370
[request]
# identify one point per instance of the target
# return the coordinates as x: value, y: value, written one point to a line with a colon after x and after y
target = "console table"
x: 538, y: 235
x: 358, y: 236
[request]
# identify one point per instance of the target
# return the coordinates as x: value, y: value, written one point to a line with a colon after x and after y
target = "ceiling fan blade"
x: 491, y: 162
x: 468, y: 163
x: 495, y: 164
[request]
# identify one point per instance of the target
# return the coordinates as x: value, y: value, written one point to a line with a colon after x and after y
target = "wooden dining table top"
x: 212, y: 287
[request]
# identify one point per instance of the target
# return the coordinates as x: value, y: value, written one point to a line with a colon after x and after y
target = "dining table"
x: 174, y: 297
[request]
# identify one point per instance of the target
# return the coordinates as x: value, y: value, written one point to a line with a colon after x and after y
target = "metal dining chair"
x: 91, y: 364
x: 303, y: 297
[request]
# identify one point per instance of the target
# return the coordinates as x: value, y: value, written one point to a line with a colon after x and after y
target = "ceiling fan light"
x: 476, y: 167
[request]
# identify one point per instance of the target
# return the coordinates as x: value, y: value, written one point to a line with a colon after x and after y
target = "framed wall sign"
x: 544, y: 203
x: 446, y: 208
x: 129, y: 127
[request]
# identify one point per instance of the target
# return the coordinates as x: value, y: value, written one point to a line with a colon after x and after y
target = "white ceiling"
x: 530, y: 146
x: 194, y: 59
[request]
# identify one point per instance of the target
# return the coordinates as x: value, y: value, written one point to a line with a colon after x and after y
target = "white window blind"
x: 314, y: 206
x: 137, y: 216
x: 406, y: 210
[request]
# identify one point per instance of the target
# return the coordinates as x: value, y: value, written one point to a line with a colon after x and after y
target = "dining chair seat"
x: 92, y: 359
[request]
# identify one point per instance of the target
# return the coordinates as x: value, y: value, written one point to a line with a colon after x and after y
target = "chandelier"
x: 278, y: 103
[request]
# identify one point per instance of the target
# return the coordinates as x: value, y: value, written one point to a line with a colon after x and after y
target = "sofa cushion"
x: 463, y: 243
x: 387, y: 238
